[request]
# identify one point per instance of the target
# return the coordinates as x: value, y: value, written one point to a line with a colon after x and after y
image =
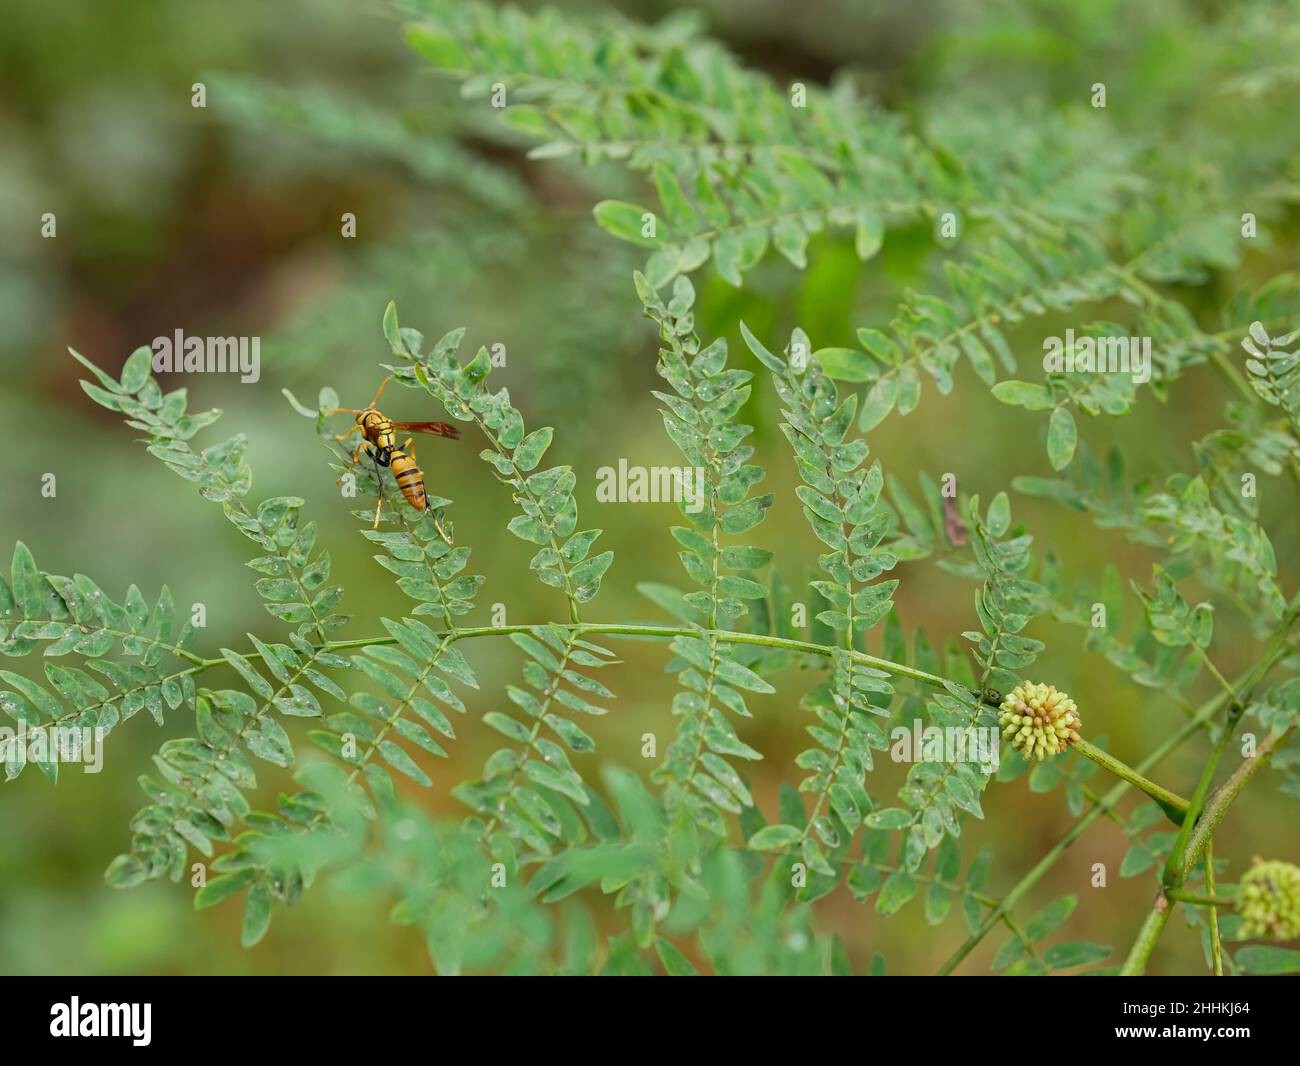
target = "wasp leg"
x: 356, y: 458
x: 441, y: 532
x: 409, y: 447
x: 382, y: 385
x: 379, y: 481
x: 360, y: 410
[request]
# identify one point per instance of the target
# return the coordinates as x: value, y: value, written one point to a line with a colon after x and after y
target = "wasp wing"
x: 438, y: 429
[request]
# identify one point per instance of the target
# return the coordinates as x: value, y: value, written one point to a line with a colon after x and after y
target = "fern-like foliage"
x: 132, y: 646
x: 313, y: 114
x: 1147, y: 660
x: 527, y: 794
x: 1236, y: 553
x: 741, y: 164
x: 842, y: 504
x: 1275, y: 371
x: 1034, y: 215
x: 700, y: 416
x: 201, y: 793
x: 937, y: 792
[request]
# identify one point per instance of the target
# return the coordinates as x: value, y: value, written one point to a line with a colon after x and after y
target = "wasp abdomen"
x: 408, y: 477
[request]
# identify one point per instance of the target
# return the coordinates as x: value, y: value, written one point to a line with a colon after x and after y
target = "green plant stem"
x: 1195, y: 832
x: 121, y: 634
x: 1019, y: 934
x: 1092, y: 797
x: 1136, y: 963
x: 1034, y: 875
x: 1181, y: 896
x: 660, y: 632
x: 547, y: 698
x: 1214, y: 671
x: 1107, y: 803
x: 1277, y: 646
x: 1229, y: 370
x: 1216, y: 943
x: 1182, y: 858
x: 952, y: 886
x: 1217, y: 805
x: 1173, y: 804
x: 1192, y: 726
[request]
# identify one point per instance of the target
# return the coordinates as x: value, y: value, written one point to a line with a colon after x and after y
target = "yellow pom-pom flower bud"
x: 1268, y: 900
x: 1038, y: 720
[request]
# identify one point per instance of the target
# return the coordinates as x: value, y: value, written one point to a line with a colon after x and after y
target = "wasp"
x: 379, y: 441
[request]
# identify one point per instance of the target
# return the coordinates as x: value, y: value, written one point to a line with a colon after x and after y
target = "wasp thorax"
x: 1038, y: 720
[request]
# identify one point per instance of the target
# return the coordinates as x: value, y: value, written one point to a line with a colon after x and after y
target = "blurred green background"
x: 226, y: 220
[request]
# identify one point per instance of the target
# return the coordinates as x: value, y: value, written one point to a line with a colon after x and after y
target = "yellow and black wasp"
x: 379, y: 441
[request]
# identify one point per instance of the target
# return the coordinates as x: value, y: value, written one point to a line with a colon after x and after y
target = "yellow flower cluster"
x: 1038, y: 720
x: 1268, y: 900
